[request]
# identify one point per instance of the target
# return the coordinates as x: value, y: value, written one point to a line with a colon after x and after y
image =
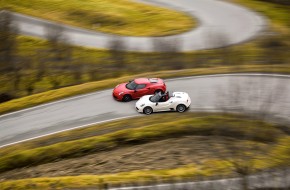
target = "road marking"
x: 172, y: 79
x: 119, y: 118
x: 54, y: 102
x: 77, y: 127
x: 230, y: 74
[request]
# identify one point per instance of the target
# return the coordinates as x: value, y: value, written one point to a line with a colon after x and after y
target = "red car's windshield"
x: 131, y: 85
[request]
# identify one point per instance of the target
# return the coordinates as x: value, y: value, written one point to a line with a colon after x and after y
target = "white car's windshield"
x: 155, y: 98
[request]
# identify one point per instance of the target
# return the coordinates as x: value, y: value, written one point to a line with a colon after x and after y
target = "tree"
x: 223, y: 53
x: 58, y: 43
x: 28, y: 83
x: 19, y: 65
x: 170, y: 52
x: 275, y: 49
x: 58, y: 58
x: 116, y: 47
x: 77, y: 71
x: 8, y: 45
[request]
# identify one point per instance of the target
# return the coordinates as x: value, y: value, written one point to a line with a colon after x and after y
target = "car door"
x: 141, y: 90
x: 163, y: 106
x: 151, y: 89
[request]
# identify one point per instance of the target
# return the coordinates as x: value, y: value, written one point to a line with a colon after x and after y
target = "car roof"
x: 142, y: 81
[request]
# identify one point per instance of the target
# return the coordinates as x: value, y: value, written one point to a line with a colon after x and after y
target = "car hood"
x: 120, y: 88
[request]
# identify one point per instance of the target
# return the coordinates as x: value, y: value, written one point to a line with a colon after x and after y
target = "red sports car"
x: 137, y: 88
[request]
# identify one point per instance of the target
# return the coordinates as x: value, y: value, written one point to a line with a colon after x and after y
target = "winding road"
x: 218, y: 20
x: 279, y: 180
x: 268, y: 94
x: 220, y: 24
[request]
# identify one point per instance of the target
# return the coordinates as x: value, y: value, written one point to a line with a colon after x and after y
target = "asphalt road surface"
x: 275, y: 179
x: 220, y: 24
x: 268, y: 94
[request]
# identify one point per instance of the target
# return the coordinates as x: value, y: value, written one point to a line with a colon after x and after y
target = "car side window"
x: 140, y: 86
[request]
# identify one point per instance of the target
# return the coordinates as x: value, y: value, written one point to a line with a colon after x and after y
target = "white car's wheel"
x: 147, y: 110
x: 181, y: 108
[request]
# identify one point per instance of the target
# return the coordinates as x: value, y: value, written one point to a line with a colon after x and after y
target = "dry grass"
x: 232, y: 126
x: 122, y: 17
x: 211, y: 125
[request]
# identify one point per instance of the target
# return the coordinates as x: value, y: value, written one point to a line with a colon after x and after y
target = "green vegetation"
x: 209, y: 168
x: 280, y: 155
x: 278, y: 14
x: 122, y: 17
x: 250, y: 57
x: 122, y: 133
x: 38, y: 73
x: 282, y: 2
x: 227, y: 126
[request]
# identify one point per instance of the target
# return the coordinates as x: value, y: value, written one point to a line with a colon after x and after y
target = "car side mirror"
x: 156, y: 104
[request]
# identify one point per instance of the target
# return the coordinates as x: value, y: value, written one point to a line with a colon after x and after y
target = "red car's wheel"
x: 126, y: 98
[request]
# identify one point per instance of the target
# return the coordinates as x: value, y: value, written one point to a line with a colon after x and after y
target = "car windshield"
x: 131, y: 85
x: 155, y: 98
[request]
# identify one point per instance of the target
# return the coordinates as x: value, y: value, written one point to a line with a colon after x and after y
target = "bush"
x: 282, y: 2
x: 4, y: 97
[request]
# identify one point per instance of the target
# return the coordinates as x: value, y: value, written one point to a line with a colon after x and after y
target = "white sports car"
x: 179, y: 101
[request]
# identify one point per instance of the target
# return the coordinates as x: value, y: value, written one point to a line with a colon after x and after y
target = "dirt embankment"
x: 164, y: 154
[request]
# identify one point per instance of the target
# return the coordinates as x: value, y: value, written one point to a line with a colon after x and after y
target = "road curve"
x: 266, y: 180
x: 220, y: 24
x: 252, y: 92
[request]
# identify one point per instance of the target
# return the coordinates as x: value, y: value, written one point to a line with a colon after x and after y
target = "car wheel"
x: 127, y: 98
x: 157, y: 91
x: 147, y: 110
x: 181, y: 108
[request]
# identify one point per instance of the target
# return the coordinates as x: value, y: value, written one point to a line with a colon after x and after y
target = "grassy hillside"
x: 277, y: 13
x: 122, y: 17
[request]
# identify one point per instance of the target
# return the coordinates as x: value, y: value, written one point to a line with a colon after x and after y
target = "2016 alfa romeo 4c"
x: 178, y: 101
x: 137, y: 88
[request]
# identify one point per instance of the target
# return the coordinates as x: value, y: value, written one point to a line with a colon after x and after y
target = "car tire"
x: 180, y: 108
x: 157, y: 91
x: 126, y: 98
x: 147, y: 110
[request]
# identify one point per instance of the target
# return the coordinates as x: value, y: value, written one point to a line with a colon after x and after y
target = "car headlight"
x: 142, y: 105
x: 121, y: 93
